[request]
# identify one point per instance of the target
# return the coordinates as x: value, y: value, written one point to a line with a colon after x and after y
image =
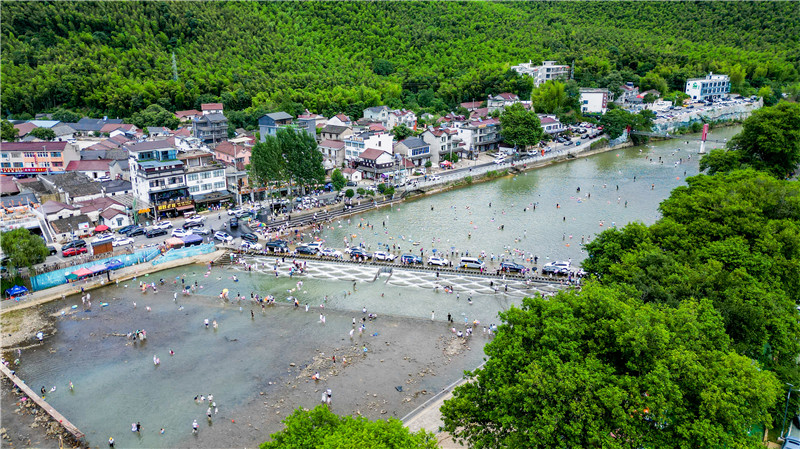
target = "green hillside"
x: 115, y: 58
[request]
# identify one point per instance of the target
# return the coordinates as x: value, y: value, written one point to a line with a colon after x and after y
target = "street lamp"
x: 786, y: 409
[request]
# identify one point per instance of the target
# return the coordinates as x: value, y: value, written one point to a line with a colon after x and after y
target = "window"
x: 45, y: 164
x: 18, y: 164
x: 206, y: 187
x: 41, y: 154
x: 16, y: 154
x: 219, y: 173
x: 29, y: 154
x: 55, y: 154
x: 5, y: 164
x: 119, y: 221
x: 5, y: 155
x: 219, y: 185
x: 58, y: 164
x: 194, y: 189
x: 192, y: 177
x: 205, y: 175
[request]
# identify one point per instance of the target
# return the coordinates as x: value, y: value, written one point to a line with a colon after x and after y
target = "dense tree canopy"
x: 155, y: 115
x: 9, y: 133
x: 320, y: 428
x: 23, y: 248
x: 43, y: 133
x: 290, y: 155
x: 115, y: 58
x: 600, y: 368
x: 521, y: 127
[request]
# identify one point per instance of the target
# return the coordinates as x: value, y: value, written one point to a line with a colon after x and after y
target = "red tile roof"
x: 7, y: 185
x: 211, y: 106
x: 34, y: 146
x: 332, y: 143
x: 508, y: 96
x: 189, y: 113
x: 231, y: 149
x: 84, y: 165
x: 371, y: 154
x: 25, y: 128
x: 471, y: 104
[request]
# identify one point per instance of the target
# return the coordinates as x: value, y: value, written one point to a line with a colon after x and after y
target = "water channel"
x: 117, y: 383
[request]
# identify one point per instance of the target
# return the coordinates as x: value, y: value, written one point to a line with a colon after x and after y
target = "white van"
x: 471, y: 262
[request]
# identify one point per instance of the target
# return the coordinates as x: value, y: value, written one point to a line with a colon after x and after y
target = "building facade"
x: 356, y: 144
x: 594, y: 100
x: 480, y: 135
x: 711, y: 87
x: 549, y: 70
x: 19, y: 158
x: 205, y: 178
x: 211, y: 128
x: 158, y: 178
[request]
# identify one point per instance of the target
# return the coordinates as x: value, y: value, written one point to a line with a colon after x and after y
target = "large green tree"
x: 23, y: 248
x: 43, y: 133
x: 155, y: 115
x: 401, y: 132
x: 338, y: 180
x: 9, y: 133
x: 600, y: 369
x: 320, y: 428
x: 267, y: 162
x: 290, y: 155
x: 732, y: 238
x: 520, y: 127
x: 550, y: 98
x: 770, y: 139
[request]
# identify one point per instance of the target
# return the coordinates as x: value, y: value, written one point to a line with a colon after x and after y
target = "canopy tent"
x: 191, y: 240
x: 114, y: 264
x: 174, y: 242
x: 95, y: 269
x: 16, y: 290
x: 71, y: 277
x: 101, y: 228
x: 82, y: 272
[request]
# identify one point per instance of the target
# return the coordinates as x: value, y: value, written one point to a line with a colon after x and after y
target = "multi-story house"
x: 480, y: 135
x: 415, y: 150
x: 211, y: 108
x: 233, y: 154
x: 629, y: 93
x: 211, y: 128
x: 442, y: 141
x: 551, y: 124
x: 401, y: 116
x: 335, y: 132
x: 205, y: 178
x: 377, y: 164
x: 332, y: 153
x: 378, y: 114
x: 158, y: 178
x: 355, y: 144
x: 543, y: 73
x: 19, y: 158
x: 269, y: 124
x: 709, y: 88
x: 594, y: 100
x: 500, y: 101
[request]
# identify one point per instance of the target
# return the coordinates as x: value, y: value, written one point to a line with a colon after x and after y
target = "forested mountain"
x: 115, y: 58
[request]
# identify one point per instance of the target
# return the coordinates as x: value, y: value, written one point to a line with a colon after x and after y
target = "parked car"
x: 383, y: 255
x: 223, y: 236
x: 201, y: 231
x: 317, y: 245
x: 52, y: 250
x: 163, y: 225
x: 556, y: 268
x: 500, y: 160
x: 192, y: 224
x: 512, y: 267
x: 180, y: 233
x: 438, y: 261
x: 103, y: 238
x: 138, y: 230
x: 249, y: 237
x: 351, y: 184
x: 78, y: 243
x: 125, y: 229
x: 306, y: 250
x: 277, y: 245
x: 410, y: 259
x: 232, y: 212
x: 155, y: 232
x: 253, y: 246
x: 357, y: 252
x: 195, y: 219
x: 330, y: 252
x: 74, y: 251
x: 234, y: 223
x: 120, y: 241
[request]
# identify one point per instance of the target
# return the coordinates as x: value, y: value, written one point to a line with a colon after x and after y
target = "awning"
x: 101, y: 228
x: 82, y: 272
x: 191, y: 238
x: 72, y: 277
x: 212, y: 196
x: 174, y: 242
x: 190, y: 207
x: 95, y: 269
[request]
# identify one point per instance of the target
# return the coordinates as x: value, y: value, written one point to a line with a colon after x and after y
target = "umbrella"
x: 16, y: 290
x: 101, y: 228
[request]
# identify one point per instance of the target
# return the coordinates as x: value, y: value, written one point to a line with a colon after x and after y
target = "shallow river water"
x: 116, y: 382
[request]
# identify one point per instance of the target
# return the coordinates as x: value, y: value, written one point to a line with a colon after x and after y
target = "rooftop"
x: 280, y: 115
x: 211, y: 106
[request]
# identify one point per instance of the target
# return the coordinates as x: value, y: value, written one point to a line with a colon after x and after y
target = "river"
x: 117, y: 383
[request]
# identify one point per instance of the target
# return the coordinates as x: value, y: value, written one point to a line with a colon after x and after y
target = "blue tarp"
x: 114, y: 264
x: 180, y: 253
x: 192, y: 239
x: 16, y: 290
